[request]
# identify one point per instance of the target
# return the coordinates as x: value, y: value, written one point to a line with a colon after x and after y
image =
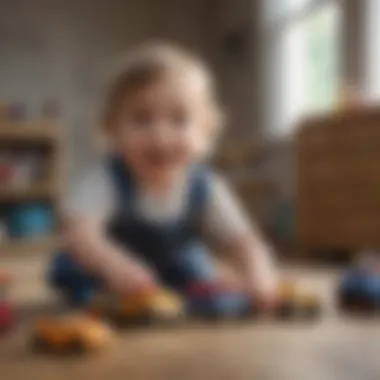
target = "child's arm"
x: 83, y: 234
x: 89, y: 246
x: 226, y: 221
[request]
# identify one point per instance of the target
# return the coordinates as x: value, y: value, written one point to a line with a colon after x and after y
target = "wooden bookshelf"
x: 35, y: 135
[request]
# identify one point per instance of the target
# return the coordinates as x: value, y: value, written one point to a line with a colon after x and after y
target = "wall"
x: 64, y: 50
x: 239, y: 76
x: 372, y: 50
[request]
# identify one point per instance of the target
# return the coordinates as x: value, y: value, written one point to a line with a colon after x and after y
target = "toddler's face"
x: 161, y: 128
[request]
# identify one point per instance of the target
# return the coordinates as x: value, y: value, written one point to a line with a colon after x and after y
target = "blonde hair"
x: 150, y: 63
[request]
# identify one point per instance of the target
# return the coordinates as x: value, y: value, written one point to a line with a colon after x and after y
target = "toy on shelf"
x: 359, y: 289
x: 148, y: 306
x: 13, y: 112
x: 17, y: 112
x: 292, y: 303
x: 3, y: 111
x: 70, y: 335
x: 7, y: 317
x: 50, y: 110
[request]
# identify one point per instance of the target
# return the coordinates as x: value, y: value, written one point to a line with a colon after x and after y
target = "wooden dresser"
x: 338, y: 180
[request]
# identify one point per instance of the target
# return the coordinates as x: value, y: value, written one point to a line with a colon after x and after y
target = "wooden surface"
x: 336, y: 351
x: 332, y: 349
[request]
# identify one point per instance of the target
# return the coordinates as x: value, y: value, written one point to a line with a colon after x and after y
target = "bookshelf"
x: 45, y: 140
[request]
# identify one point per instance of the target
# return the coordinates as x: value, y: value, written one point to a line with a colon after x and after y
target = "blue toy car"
x: 359, y: 291
x: 211, y: 301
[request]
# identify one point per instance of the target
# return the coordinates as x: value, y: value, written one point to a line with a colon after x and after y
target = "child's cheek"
x: 200, y: 144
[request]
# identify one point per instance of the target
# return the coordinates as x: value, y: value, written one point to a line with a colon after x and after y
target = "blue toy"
x: 31, y: 220
x: 359, y: 289
x: 212, y: 301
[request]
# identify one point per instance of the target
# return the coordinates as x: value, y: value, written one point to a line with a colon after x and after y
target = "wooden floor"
x: 332, y: 349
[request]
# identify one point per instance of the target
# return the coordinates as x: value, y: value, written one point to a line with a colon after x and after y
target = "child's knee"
x: 66, y: 272
x: 71, y: 279
x: 61, y: 269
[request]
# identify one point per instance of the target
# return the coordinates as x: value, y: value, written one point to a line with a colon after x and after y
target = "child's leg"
x: 71, y: 279
x: 195, y: 270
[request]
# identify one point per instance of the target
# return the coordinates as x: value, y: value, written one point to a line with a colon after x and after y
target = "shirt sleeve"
x: 225, y: 218
x: 93, y: 197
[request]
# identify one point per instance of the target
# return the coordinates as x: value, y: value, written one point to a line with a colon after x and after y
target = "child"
x: 138, y: 218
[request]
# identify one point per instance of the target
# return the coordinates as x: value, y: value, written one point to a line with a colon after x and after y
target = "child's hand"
x: 263, y: 281
x: 264, y: 289
x: 130, y: 278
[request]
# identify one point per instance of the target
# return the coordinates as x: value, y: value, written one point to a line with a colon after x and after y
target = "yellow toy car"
x: 75, y: 334
x: 292, y: 303
x: 152, y: 306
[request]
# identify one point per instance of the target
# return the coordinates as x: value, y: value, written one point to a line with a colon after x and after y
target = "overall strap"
x: 199, y: 192
x: 200, y: 181
x: 122, y: 180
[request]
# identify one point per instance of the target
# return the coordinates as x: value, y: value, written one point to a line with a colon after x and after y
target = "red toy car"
x: 6, y: 309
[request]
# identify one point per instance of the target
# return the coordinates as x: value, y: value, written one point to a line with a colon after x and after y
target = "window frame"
x: 272, y: 53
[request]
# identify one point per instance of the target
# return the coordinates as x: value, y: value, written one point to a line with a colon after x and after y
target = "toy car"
x: 76, y: 334
x: 218, y: 302
x: 7, y: 316
x: 149, y: 306
x: 359, y: 289
x: 292, y: 303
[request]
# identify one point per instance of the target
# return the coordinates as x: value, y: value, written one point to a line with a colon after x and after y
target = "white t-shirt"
x: 95, y: 198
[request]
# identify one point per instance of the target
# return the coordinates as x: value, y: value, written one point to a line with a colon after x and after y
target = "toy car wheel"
x: 351, y: 303
x: 344, y: 302
x: 311, y: 312
x: 247, y: 314
x: 216, y: 316
x: 366, y: 305
x: 38, y: 344
x: 286, y: 311
x: 124, y: 321
x: 76, y: 348
x: 167, y: 321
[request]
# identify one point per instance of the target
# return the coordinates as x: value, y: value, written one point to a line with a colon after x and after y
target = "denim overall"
x: 173, y: 249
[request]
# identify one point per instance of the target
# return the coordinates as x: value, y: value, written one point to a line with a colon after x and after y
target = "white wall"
x: 372, y: 50
x: 64, y: 49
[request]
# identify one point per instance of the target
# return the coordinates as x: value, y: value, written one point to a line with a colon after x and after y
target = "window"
x: 372, y: 17
x: 303, y: 50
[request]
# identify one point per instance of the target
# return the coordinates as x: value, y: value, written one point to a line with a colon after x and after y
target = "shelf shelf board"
x: 34, y: 192
x: 29, y: 246
x: 29, y: 132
